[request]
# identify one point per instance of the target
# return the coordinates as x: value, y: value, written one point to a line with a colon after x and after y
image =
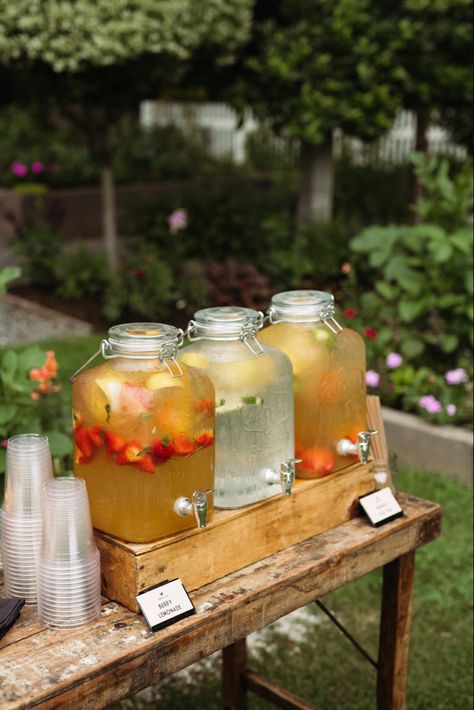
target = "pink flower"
x: 371, y: 333
x: 178, y: 220
x: 350, y: 313
x: 37, y: 168
x: 431, y: 404
x: 372, y: 378
x: 456, y: 377
x: 19, y: 169
x: 451, y: 410
x: 346, y: 267
x: 394, y: 360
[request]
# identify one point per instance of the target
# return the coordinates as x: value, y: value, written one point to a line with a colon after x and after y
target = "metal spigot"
x: 197, y: 505
x: 285, y: 477
x: 361, y: 448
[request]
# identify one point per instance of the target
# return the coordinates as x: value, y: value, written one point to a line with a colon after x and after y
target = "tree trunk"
x: 421, y: 146
x: 315, y: 200
x: 109, y: 217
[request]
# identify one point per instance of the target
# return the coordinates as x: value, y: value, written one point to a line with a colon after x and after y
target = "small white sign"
x: 165, y: 604
x: 381, y: 506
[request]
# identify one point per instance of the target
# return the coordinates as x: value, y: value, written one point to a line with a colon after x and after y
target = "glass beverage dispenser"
x: 144, y: 435
x: 254, y: 405
x: 329, y: 381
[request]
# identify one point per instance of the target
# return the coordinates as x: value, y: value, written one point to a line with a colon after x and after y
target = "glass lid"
x: 129, y: 338
x: 225, y: 322
x: 301, y: 306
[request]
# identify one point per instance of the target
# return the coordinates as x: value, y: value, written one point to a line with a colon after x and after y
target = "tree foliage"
x: 72, y: 34
x: 321, y: 64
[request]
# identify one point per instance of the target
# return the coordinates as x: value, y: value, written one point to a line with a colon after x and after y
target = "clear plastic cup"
x: 28, y: 467
x: 20, y: 543
x: 69, y: 566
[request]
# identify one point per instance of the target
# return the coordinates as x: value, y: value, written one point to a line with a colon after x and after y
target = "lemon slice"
x: 195, y: 360
x: 111, y: 389
x: 163, y: 379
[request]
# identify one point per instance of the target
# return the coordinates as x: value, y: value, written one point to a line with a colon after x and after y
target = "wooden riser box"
x: 233, y: 538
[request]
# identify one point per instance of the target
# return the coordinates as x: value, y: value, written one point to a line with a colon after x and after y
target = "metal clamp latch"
x: 361, y: 448
x: 285, y: 477
x: 197, y: 505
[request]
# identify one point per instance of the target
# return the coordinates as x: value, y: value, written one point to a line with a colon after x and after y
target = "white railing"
x: 218, y: 127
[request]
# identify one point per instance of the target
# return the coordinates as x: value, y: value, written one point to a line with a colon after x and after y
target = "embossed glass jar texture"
x: 143, y: 433
x: 254, y: 403
x: 329, y: 380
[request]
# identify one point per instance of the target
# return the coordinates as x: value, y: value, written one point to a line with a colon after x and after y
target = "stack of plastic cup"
x: 28, y: 467
x: 69, y: 565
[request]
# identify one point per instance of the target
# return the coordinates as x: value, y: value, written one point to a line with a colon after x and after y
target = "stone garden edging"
x: 420, y: 445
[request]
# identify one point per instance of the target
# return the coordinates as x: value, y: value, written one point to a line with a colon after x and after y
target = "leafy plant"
x: 422, y: 274
x: 40, y: 250
x: 30, y: 401
x: 144, y: 287
x: 9, y: 273
x: 82, y: 273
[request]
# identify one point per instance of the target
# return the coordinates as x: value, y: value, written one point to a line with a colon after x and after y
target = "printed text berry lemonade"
x: 143, y: 432
x: 329, y: 380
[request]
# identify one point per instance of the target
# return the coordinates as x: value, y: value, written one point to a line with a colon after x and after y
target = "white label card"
x: 381, y: 506
x: 165, y: 604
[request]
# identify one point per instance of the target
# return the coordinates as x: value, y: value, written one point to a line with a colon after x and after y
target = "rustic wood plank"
x: 273, y: 692
x: 104, y: 662
x: 394, y: 632
x: 234, y: 662
x: 198, y: 557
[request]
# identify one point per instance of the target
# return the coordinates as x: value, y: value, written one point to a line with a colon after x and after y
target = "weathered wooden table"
x: 115, y: 657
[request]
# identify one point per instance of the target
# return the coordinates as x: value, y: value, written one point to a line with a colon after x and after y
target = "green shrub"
x: 143, y: 287
x: 40, y: 251
x: 82, y: 273
x: 421, y: 305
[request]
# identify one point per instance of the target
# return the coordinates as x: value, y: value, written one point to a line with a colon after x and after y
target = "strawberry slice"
x: 129, y: 454
x: 183, y: 446
x: 162, y: 450
x: 206, y: 405
x: 80, y: 458
x: 96, y: 435
x: 317, y: 462
x: 146, y: 463
x: 204, y: 438
x: 113, y: 442
x: 83, y: 442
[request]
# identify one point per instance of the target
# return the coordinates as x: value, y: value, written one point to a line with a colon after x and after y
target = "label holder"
x: 165, y: 603
x: 381, y: 507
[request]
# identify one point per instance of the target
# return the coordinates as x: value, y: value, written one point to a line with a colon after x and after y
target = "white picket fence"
x: 218, y: 127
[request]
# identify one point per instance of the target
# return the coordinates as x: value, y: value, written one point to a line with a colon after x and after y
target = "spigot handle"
x: 287, y: 475
x: 197, y: 505
x: 361, y: 448
x: 201, y: 506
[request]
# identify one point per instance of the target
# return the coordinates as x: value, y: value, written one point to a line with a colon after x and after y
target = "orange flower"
x: 45, y: 374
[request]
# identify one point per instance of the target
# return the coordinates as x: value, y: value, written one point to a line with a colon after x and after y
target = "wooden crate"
x: 236, y: 538
x: 233, y: 538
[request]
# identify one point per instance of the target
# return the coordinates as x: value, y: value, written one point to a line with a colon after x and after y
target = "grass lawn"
x: 318, y: 662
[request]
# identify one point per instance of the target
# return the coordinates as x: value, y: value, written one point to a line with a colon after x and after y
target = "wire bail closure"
x: 327, y: 317
x: 166, y: 355
x: 249, y: 332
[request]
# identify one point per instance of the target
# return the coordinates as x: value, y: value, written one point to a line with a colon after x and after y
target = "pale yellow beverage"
x: 144, y: 437
x: 329, y: 379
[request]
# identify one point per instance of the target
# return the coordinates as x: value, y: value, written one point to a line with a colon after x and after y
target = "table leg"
x: 234, y: 662
x: 394, y: 632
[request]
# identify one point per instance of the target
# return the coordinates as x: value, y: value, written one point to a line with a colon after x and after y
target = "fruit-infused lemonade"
x: 329, y: 382
x: 143, y: 438
x: 254, y: 404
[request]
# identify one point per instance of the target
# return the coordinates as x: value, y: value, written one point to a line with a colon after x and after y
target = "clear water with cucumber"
x: 254, y: 404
